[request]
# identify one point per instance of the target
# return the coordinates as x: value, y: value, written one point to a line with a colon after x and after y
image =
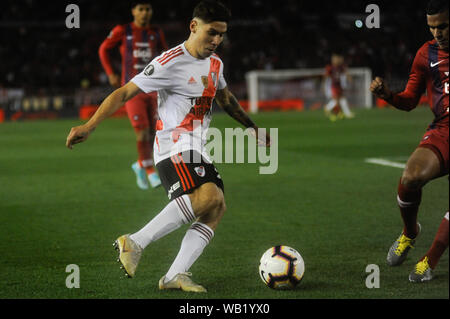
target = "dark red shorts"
x: 336, y: 92
x: 142, y: 110
x: 436, y: 139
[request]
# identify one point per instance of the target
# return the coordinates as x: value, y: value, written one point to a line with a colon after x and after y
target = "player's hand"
x: 379, y: 88
x: 114, y: 80
x: 262, y: 136
x: 77, y: 135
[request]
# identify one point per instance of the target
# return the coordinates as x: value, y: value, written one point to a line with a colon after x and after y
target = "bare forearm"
x: 111, y: 104
x: 233, y: 108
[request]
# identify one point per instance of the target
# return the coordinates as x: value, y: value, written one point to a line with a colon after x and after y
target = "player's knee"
x: 213, y: 217
x: 414, y: 179
x: 208, y: 199
x: 215, y: 202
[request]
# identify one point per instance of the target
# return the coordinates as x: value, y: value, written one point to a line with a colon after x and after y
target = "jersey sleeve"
x: 154, y: 77
x: 409, y: 98
x: 113, y: 39
x: 222, y: 83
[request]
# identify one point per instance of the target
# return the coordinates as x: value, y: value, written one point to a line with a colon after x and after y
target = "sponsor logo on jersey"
x: 142, y: 44
x: 201, y: 106
x: 200, y: 170
x: 434, y: 64
x: 201, y: 100
x: 192, y: 80
x: 142, y: 53
x: 200, y: 111
x: 173, y: 188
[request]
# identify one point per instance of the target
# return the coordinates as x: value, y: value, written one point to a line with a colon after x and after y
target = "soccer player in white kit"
x: 188, y: 78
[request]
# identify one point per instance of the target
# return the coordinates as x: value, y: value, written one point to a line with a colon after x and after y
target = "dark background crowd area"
x: 38, y: 51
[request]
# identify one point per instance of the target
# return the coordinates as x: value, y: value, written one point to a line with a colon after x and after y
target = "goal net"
x: 303, y: 89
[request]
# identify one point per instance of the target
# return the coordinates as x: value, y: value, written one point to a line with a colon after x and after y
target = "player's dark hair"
x: 135, y: 3
x: 437, y: 6
x: 209, y: 11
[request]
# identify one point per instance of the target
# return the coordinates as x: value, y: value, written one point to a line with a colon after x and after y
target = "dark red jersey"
x: 336, y: 74
x: 138, y: 46
x: 429, y: 72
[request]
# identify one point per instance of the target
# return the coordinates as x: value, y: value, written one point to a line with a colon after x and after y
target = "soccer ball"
x: 281, y: 267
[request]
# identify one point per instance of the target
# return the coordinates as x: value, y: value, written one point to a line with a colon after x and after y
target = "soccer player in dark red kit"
x: 139, y: 43
x: 430, y: 160
x: 335, y: 84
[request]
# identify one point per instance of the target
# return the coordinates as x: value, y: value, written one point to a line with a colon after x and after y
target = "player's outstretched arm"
x: 228, y: 102
x: 406, y: 100
x: 110, y: 105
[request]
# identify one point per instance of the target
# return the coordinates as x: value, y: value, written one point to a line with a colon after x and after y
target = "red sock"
x: 408, y: 202
x: 145, y: 160
x: 439, y: 245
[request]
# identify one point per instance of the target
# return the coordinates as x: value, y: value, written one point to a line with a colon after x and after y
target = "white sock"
x: 197, y: 237
x: 344, y: 106
x: 176, y: 213
x: 332, y: 103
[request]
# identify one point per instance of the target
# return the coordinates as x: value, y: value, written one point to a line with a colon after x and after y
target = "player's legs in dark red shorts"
x: 436, y: 139
x: 430, y: 160
x: 333, y: 108
x: 142, y: 110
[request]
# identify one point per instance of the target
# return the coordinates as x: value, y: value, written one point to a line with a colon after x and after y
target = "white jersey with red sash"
x: 186, y: 89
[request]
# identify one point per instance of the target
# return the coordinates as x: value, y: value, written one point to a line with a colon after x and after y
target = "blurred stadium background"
x: 49, y: 70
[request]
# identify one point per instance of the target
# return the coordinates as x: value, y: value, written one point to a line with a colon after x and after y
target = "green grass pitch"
x: 61, y: 207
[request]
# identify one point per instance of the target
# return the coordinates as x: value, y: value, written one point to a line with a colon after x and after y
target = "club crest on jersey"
x: 205, y: 81
x: 200, y: 170
x: 149, y: 69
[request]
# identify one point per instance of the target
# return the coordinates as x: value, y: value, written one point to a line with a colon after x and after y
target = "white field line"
x: 384, y: 162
